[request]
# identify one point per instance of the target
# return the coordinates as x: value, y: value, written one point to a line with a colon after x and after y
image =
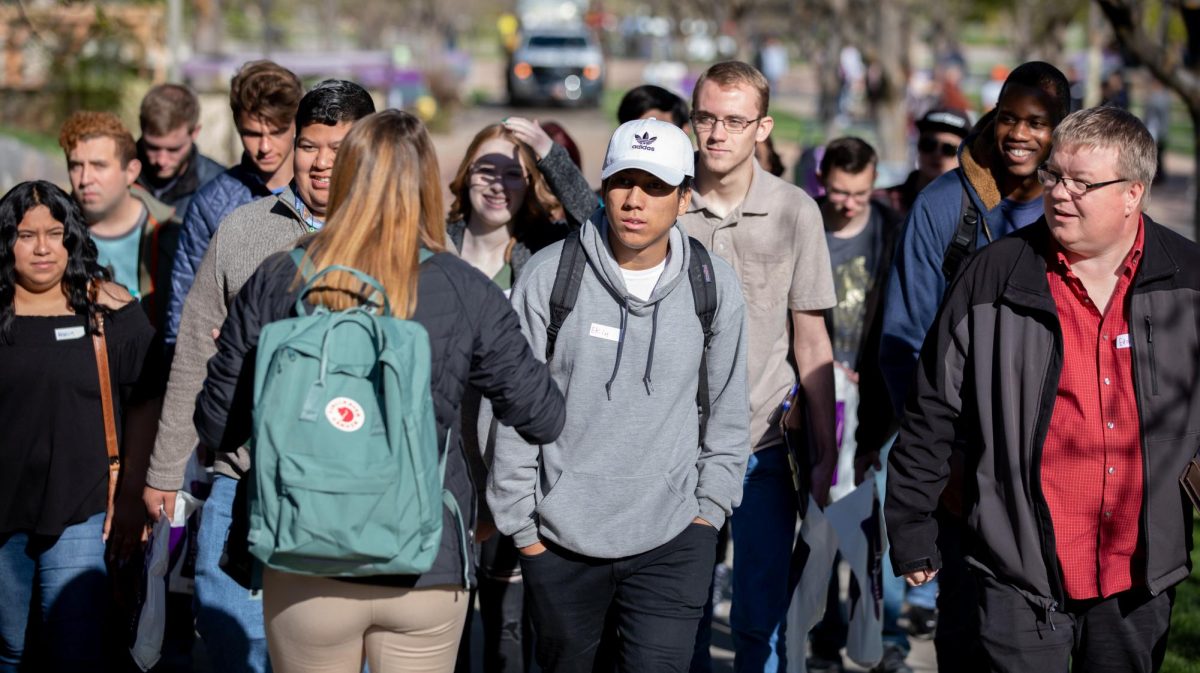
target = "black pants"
x: 957, y: 635
x: 701, y: 656
x: 501, y: 593
x: 1124, y: 633
x: 657, y: 599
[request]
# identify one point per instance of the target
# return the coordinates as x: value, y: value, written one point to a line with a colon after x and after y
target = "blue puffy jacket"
x: 235, y: 187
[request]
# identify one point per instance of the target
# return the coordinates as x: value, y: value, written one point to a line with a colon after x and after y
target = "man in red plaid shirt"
x: 1064, y: 364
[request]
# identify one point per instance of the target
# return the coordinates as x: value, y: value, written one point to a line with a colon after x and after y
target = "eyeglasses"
x: 487, y: 174
x: 1074, y: 187
x: 702, y: 121
x: 927, y: 145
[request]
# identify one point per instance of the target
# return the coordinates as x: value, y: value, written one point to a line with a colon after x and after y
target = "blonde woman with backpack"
x: 385, y: 215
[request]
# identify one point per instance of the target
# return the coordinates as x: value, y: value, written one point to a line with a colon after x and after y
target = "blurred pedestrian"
x: 649, y: 100
x: 135, y: 234
x: 263, y: 97
x: 941, y: 132
x: 861, y: 233
x: 172, y: 166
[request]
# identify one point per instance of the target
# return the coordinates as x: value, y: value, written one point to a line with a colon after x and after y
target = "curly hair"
x: 82, y: 271
x: 85, y: 125
x: 539, y: 199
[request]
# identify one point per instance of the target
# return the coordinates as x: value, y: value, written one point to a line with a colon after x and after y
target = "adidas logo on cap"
x: 644, y: 141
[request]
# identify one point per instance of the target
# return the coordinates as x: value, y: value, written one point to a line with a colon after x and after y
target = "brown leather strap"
x: 106, y: 403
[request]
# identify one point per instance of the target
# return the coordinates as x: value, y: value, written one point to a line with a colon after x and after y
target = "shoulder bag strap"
x: 100, y: 345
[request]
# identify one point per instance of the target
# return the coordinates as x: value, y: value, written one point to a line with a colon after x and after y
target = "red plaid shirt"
x: 1092, y: 458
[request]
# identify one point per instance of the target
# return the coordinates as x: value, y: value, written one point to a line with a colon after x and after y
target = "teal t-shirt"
x: 120, y: 255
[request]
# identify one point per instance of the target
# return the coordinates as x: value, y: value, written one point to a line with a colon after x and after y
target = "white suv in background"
x: 562, y: 66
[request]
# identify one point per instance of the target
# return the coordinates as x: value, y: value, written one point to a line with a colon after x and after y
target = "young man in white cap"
x: 621, y: 513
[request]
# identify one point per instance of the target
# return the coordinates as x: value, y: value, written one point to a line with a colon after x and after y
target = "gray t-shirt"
x: 853, y: 260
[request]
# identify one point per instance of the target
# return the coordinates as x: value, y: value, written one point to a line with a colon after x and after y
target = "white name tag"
x: 68, y: 333
x: 1122, y: 341
x: 605, y: 332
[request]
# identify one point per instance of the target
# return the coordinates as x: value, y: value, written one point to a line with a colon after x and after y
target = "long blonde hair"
x: 385, y: 202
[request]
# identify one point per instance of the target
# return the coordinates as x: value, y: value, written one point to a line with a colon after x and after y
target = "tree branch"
x: 1126, y: 20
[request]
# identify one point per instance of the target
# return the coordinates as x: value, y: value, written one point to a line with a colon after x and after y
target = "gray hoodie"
x: 628, y: 473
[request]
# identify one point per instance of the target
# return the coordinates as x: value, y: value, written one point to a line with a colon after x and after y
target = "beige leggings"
x: 321, y: 625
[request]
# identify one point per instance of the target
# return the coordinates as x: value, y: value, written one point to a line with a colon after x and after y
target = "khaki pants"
x: 321, y: 625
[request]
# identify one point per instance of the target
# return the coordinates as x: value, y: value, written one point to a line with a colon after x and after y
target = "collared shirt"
x: 1091, y: 469
x: 311, y: 221
x: 775, y: 241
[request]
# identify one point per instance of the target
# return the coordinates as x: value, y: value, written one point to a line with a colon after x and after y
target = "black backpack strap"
x: 571, y: 264
x: 965, y: 237
x: 704, y: 294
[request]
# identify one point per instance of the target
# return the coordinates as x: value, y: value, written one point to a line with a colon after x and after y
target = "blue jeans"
x: 893, y: 586
x: 764, y: 529
x: 924, y: 596
x: 68, y: 574
x: 228, y: 617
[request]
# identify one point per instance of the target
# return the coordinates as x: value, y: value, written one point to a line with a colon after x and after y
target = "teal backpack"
x: 347, y: 481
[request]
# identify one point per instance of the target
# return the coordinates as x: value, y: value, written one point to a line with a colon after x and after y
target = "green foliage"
x: 43, y: 141
x: 93, y: 74
x: 1183, y: 645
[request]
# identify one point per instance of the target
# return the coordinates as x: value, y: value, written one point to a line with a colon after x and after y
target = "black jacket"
x: 988, y: 378
x: 877, y: 421
x: 177, y: 192
x: 476, y: 339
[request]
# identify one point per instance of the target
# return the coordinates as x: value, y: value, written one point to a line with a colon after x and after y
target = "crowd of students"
x: 608, y: 379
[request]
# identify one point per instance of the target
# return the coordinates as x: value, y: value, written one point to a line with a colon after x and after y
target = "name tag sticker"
x: 605, y: 332
x: 69, y: 333
x: 1122, y: 341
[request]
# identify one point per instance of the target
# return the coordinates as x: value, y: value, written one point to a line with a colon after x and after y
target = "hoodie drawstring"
x: 620, y: 347
x: 650, y: 356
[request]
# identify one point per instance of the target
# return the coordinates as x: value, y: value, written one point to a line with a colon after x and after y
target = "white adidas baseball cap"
x: 659, y: 148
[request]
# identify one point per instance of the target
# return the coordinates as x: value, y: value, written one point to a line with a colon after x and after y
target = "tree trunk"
x: 829, y: 83
x: 1194, y: 110
x: 1125, y: 16
x: 892, y: 59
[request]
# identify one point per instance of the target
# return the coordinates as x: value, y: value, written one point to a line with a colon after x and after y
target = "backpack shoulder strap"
x: 567, y: 280
x: 965, y: 237
x: 704, y: 295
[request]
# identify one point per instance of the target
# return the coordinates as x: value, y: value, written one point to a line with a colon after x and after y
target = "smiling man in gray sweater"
x: 229, y: 617
x: 622, y: 511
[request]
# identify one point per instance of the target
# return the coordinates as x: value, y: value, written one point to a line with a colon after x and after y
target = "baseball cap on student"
x: 950, y: 120
x: 659, y: 148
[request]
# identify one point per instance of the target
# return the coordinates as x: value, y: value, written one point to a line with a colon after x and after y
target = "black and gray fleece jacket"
x: 987, y: 381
